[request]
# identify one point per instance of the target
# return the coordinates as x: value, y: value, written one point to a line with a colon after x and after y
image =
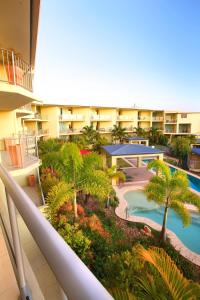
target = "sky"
x: 119, y: 53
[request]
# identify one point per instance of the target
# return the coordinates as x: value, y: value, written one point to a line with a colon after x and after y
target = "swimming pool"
x: 194, y: 182
x: 139, y: 206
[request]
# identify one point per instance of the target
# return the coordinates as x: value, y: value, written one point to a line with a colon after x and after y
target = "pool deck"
x: 121, y: 212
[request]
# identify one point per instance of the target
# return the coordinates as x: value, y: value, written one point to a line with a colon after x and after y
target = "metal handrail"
x: 75, y: 278
x: 14, y: 70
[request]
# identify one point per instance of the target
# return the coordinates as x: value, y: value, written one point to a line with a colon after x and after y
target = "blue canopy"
x: 130, y: 149
x: 196, y: 150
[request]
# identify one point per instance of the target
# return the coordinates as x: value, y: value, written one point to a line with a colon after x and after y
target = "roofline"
x: 99, y: 107
x: 34, y: 24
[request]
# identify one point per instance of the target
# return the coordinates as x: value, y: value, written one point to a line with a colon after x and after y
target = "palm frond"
x: 179, y: 288
x: 183, y: 212
x: 161, y: 167
x: 120, y: 294
x: 57, y: 196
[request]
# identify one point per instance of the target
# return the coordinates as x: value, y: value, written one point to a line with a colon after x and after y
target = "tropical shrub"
x: 48, y: 146
x: 49, y: 178
x: 174, y: 286
x: 56, y: 197
x: 76, y: 239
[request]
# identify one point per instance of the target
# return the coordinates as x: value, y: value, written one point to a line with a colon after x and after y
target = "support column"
x: 139, y: 162
x: 147, y: 142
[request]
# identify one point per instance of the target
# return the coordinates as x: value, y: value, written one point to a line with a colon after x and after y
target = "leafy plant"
x: 176, y: 286
x: 76, y: 239
x: 118, y: 133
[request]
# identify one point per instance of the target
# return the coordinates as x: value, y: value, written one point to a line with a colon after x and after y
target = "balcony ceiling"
x: 14, y: 97
x: 19, y: 24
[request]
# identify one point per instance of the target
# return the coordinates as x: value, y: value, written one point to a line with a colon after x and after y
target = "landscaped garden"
x: 80, y: 204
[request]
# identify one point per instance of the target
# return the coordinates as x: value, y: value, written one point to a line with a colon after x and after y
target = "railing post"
x: 24, y: 291
x: 13, y: 66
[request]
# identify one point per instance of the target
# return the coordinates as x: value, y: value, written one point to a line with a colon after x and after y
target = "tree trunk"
x: 108, y: 202
x: 75, y: 207
x: 163, y: 231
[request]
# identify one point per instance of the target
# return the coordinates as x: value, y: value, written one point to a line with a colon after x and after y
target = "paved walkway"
x: 174, y: 240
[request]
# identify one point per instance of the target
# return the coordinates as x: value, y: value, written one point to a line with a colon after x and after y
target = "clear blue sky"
x: 120, y: 53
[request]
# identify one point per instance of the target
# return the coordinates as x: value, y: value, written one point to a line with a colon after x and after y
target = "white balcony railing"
x: 157, y: 119
x: 72, y: 117
x: 101, y: 118
x: 145, y: 119
x: 170, y: 120
x: 14, y: 70
x: 125, y: 118
x: 70, y: 274
x: 19, y: 151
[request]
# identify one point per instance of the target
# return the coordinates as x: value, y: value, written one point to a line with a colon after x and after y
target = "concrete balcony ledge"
x: 72, y: 117
x: 125, y: 118
x: 101, y: 118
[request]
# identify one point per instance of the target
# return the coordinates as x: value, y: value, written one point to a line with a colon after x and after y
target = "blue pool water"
x: 140, y: 206
x: 194, y: 182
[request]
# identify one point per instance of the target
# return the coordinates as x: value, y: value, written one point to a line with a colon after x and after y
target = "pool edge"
x: 174, y: 240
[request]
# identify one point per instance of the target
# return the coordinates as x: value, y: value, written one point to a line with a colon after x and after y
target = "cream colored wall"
x: 8, y: 123
x: 133, y: 114
x: 30, y: 126
x: 86, y: 112
x: 52, y: 125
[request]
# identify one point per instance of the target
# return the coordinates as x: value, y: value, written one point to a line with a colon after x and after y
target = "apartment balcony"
x: 36, y: 117
x: 14, y: 70
x: 16, y: 79
x: 144, y: 119
x: 157, y: 119
x: 105, y: 118
x: 44, y: 265
x: 125, y: 118
x: 68, y: 131
x: 18, y: 153
x: 171, y: 121
x: 104, y: 130
x: 72, y: 117
x: 24, y: 110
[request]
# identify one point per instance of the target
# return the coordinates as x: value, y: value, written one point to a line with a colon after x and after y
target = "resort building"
x: 66, y: 120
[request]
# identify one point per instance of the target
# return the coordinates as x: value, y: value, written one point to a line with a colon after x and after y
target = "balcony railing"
x: 36, y: 116
x: 71, y: 117
x: 102, y: 129
x: 194, y: 165
x: 157, y: 119
x: 47, y: 247
x: 101, y: 118
x: 171, y: 121
x: 14, y: 70
x: 145, y: 119
x: 125, y: 118
x: 18, y: 152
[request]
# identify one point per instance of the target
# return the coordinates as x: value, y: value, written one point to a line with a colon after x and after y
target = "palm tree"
x: 84, y: 174
x: 170, y: 190
x: 113, y: 173
x: 118, y: 133
x: 181, y: 148
x: 154, y: 135
x: 140, y: 131
x: 176, y: 286
x: 90, y: 134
